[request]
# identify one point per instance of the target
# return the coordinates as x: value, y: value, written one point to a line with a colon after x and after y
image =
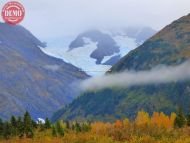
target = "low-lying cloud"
x: 157, y: 75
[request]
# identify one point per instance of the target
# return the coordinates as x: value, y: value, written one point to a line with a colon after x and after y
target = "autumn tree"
x: 172, y: 119
x: 161, y: 120
x: 142, y: 118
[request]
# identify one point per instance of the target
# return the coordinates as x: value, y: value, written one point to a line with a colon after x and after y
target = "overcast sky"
x: 55, y: 18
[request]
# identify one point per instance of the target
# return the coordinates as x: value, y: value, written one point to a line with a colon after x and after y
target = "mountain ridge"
x: 30, y: 79
x: 170, y: 46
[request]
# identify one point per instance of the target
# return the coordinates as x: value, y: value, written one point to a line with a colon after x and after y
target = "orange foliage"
x: 118, y: 124
x: 162, y: 120
x: 101, y: 128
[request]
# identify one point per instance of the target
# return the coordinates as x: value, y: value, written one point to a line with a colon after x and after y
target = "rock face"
x: 170, y: 46
x: 29, y: 79
x: 106, y: 46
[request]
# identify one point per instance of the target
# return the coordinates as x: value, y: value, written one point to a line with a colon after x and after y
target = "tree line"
x: 26, y: 127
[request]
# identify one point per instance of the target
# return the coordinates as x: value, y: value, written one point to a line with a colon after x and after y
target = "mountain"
x: 170, y: 46
x: 106, y: 46
x: 95, y: 51
x: 140, y: 34
x: 31, y: 80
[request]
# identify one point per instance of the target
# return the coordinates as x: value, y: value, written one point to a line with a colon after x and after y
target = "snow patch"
x: 126, y: 44
x: 40, y: 121
x: 106, y: 58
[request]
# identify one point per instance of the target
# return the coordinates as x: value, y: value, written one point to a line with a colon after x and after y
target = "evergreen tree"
x: 28, y: 129
x: 77, y: 127
x: 20, y: 127
x: 180, y: 120
x: 54, y: 132
x: 13, y: 121
x: 59, y: 129
x: 13, y: 126
x: 188, y: 120
x: 67, y: 124
x: 73, y: 127
x: 7, y: 130
x: 85, y: 127
x: 34, y: 124
x: 47, y: 124
x: 41, y: 126
x: 1, y: 127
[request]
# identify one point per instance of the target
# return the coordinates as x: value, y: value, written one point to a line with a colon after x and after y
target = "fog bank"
x: 157, y: 75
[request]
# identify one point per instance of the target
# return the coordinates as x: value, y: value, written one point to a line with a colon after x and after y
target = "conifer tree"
x: 34, y: 124
x: 85, y: 127
x: 1, y: 127
x: 67, y: 124
x: 28, y: 129
x: 7, y: 130
x: 180, y: 119
x: 13, y: 123
x: 47, y: 124
x: 20, y: 127
x: 188, y: 120
x: 77, y: 127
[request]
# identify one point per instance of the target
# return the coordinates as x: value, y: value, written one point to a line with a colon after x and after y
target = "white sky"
x: 55, y: 18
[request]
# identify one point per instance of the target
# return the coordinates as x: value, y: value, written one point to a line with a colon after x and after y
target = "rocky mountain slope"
x: 29, y: 79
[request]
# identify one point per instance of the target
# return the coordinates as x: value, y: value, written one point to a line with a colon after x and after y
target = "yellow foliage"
x: 126, y: 123
x: 142, y: 118
x: 101, y: 128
